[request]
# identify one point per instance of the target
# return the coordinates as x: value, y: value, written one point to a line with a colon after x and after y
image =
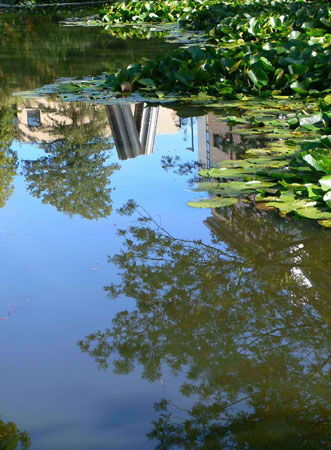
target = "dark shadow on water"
x: 36, y: 51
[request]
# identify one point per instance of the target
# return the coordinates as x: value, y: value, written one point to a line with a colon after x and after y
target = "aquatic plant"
x: 255, y: 47
x: 229, y: 21
x: 294, y: 67
x: 258, y: 19
x: 168, y: 32
x: 293, y: 178
x: 148, y: 11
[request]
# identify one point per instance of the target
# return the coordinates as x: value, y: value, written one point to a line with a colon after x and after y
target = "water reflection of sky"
x: 53, y: 269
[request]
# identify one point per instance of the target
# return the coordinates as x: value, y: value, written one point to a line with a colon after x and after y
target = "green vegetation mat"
x: 291, y: 177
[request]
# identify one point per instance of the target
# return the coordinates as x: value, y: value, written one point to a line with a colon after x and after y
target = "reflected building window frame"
x: 33, y: 118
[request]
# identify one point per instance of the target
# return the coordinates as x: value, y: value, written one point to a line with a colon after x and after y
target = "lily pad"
x: 325, y: 182
x: 314, y: 213
x: 287, y: 207
x: 216, y: 202
x: 325, y: 223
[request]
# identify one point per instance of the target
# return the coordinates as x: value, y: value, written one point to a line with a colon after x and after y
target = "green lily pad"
x: 325, y: 182
x: 242, y: 187
x: 325, y: 223
x: 216, y: 202
x: 260, y: 198
x: 314, y: 213
x: 233, y: 163
x: 206, y: 186
x: 231, y: 173
x: 327, y: 199
x: 287, y: 207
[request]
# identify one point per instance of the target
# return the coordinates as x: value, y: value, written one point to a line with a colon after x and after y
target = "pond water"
x: 128, y: 319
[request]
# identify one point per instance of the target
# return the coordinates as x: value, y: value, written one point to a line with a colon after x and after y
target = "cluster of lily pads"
x: 295, y: 66
x: 255, y: 47
x: 258, y: 19
x: 232, y: 19
x: 169, y: 32
x: 135, y: 32
x: 290, y: 177
x: 146, y: 11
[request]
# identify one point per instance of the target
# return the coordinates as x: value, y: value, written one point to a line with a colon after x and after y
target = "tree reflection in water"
x: 74, y: 175
x: 13, y: 439
x: 246, y: 318
x: 8, y: 158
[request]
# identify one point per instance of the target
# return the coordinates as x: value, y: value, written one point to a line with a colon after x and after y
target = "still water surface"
x: 128, y: 319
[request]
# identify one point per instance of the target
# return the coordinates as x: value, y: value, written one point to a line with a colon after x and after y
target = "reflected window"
x: 218, y: 141
x: 33, y: 118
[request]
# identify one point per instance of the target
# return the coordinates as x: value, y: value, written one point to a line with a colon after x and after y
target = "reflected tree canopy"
x: 74, y: 175
x: 8, y: 158
x: 13, y: 439
x: 246, y: 318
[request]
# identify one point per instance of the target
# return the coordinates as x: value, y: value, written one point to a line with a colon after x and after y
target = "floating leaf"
x: 325, y: 182
x: 314, y: 213
x: 301, y: 88
x: 258, y: 76
x: 216, y: 202
x: 325, y: 223
x: 315, y: 118
x: 327, y: 199
x: 289, y: 206
x: 147, y: 82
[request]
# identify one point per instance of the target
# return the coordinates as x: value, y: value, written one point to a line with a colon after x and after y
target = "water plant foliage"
x: 270, y: 46
x: 257, y: 47
x: 292, y: 178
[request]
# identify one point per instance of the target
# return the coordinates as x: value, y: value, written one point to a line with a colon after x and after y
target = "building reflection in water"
x: 133, y: 129
x: 216, y: 141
